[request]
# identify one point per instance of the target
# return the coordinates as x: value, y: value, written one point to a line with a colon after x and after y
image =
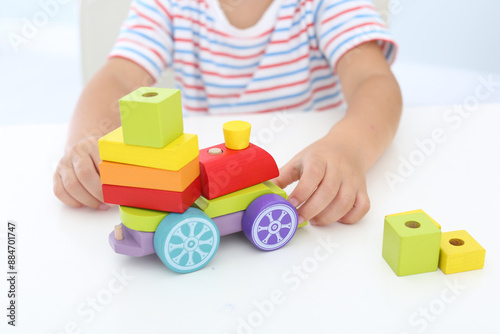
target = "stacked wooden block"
x: 149, y: 162
x: 413, y: 244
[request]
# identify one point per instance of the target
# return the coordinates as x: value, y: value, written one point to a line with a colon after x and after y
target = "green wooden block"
x: 411, y: 243
x: 151, y: 117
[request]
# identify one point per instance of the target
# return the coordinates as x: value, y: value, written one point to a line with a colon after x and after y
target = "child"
x: 254, y: 56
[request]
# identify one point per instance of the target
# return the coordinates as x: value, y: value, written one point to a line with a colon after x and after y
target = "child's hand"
x: 332, y: 185
x: 76, y: 180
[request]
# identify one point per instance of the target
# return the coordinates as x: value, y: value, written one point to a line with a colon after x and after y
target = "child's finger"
x: 87, y: 174
x: 322, y: 196
x: 339, y: 207
x: 96, y: 158
x: 358, y: 211
x: 62, y: 194
x: 77, y: 190
x: 289, y: 173
x: 312, y: 174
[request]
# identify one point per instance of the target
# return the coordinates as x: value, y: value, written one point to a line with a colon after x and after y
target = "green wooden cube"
x: 151, y: 116
x: 411, y: 243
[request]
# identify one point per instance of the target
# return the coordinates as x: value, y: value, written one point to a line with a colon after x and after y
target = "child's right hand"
x: 76, y: 180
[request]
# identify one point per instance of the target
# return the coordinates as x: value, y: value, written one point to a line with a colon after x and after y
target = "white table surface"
x: 67, y: 271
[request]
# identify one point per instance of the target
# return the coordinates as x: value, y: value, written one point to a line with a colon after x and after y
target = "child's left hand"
x: 332, y: 184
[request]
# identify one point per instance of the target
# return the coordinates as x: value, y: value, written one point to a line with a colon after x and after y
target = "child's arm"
x: 76, y: 180
x: 337, y: 163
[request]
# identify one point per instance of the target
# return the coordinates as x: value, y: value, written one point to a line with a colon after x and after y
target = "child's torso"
x: 272, y: 64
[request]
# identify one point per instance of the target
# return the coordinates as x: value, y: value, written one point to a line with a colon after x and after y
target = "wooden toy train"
x: 176, y: 200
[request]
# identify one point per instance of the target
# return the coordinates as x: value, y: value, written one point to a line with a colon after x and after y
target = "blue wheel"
x: 186, y: 242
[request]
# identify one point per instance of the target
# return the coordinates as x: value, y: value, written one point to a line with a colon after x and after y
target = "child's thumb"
x: 288, y: 175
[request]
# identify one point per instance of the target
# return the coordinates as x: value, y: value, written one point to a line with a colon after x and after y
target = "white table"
x: 327, y: 280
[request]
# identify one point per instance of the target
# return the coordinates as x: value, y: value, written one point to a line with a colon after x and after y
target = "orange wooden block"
x: 161, y: 200
x: 224, y: 171
x: 150, y: 178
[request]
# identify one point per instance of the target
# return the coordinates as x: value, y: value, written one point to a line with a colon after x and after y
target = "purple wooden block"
x: 270, y: 222
x: 229, y: 224
x: 134, y: 243
x: 137, y: 243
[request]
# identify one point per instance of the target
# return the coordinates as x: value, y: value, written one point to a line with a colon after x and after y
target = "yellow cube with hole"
x: 151, y: 117
x: 411, y: 243
x: 460, y: 252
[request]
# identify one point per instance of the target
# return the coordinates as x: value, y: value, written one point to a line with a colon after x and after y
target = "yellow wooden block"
x: 236, y: 134
x: 143, y: 220
x: 238, y: 200
x: 460, y: 252
x: 172, y: 157
x: 415, y: 211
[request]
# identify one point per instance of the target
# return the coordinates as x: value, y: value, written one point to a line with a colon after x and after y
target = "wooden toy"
x: 226, y: 224
x: 186, y: 242
x: 156, y: 177
x: 237, y: 201
x: 411, y: 243
x: 460, y: 252
x: 153, y: 199
x: 151, y: 178
x: 172, y: 157
x: 415, y: 211
x: 143, y: 220
x: 151, y: 116
x: 134, y: 243
x: 270, y: 222
x: 118, y: 232
x: 231, y: 170
x: 236, y: 134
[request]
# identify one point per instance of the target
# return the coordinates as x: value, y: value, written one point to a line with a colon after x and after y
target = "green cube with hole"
x: 411, y: 243
x: 151, y: 116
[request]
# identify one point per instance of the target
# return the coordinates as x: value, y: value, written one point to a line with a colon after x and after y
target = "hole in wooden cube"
x: 460, y: 252
x: 457, y: 242
x: 411, y: 243
x: 150, y: 94
x: 412, y: 224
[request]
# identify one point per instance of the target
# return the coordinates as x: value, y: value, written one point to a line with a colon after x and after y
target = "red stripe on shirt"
x: 140, y: 26
x: 277, y: 87
x: 196, y: 44
x: 345, y: 12
x: 164, y: 10
x: 293, y: 36
x: 201, y: 24
x: 284, y: 63
x: 202, y: 88
x: 200, y: 109
x: 147, y: 17
x: 232, y: 76
x: 331, y: 106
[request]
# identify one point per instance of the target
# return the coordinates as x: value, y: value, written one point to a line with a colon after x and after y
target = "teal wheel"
x: 186, y: 242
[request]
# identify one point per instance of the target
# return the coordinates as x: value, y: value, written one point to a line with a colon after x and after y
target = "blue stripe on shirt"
x: 349, y: 20
x: 148, y: 38
x: 353, y: 37
x: 149, y: 60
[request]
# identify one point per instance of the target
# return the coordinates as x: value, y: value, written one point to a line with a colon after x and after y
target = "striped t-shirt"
x: 286, y: 61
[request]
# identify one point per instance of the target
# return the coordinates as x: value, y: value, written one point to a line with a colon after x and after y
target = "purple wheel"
x: 270, y: 222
